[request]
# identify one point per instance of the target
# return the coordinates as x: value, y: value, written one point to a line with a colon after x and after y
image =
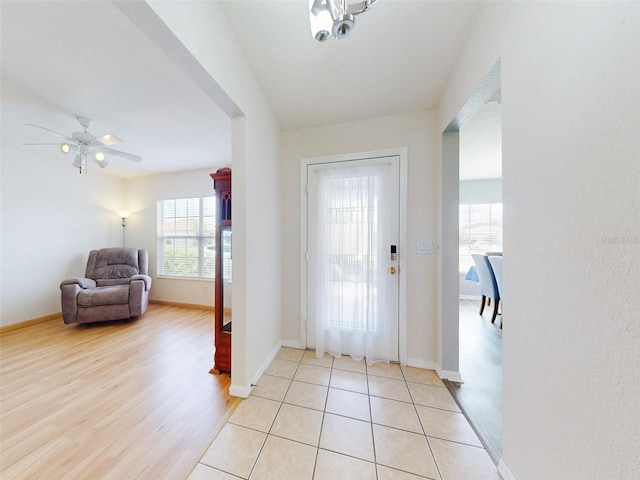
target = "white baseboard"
x: 504, y: 471
x: 468, y: 297
x: 240, y: 391
x: 292, y: 344
x: 427, y: 365
x: 243, y: 391
x: 266, y: 363
x: 450, y: 375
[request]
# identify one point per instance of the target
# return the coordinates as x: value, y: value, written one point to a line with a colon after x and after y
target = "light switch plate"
x: 424, y: 247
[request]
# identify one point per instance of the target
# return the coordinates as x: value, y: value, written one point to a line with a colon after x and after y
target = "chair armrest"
x: 145, y: 278
x: 81, y: 281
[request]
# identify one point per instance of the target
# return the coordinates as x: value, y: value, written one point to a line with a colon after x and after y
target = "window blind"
x: 186, y: 237
x: 480, y: 231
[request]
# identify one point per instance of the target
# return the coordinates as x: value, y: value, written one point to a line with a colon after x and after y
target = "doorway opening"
x: 477, y: 400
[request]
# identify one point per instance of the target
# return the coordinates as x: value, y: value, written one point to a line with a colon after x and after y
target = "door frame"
x: 403, y: 154
x: 450, y: 225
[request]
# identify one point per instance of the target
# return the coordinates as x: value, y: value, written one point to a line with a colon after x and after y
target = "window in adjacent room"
x: 186, y: 237
x: 480, y: 231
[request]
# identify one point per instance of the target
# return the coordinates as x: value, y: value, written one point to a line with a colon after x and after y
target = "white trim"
x: 428, y: 365
x: 266, y: 363
x: 449, y: 375
x: 292, y: 344
x: 403, y: 154
x: 468, y: 297
x: 425, y: 364
x: 504, y: 471
x: 303, y: 252
x: 244, y: 391
x: 238, y: 391
x: 188, y: 279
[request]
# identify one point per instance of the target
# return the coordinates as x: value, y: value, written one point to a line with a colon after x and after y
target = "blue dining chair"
x: 488, y: 285
x: 496, y: 265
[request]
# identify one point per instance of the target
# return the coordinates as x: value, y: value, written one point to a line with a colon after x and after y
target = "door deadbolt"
x: 392, y: 270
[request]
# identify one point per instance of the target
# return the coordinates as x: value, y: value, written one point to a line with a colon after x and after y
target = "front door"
x: 352, y: 257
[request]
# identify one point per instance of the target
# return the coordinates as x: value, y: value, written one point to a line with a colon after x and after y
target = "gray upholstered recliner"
x: 115, y: 286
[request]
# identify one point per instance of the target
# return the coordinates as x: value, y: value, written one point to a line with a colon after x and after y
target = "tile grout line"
x: 435, y: 461
x: 373, y: 437
x: 253, y: 467
x: 324, y: 412
x: 367, y: 375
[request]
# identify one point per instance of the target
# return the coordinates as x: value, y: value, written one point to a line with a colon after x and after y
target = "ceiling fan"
x: 85, y: 144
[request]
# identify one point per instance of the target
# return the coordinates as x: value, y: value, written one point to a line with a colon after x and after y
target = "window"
x: 480, y: 231
x: 186, y: 237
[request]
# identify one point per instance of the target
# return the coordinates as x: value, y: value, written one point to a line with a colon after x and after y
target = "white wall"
x: 56, y: 217
x: 202, y: 28
x: 51, y: 218
x: 414, y: 130
x: 487, y: 190
x: 141, y: 197
x: 571, y: 181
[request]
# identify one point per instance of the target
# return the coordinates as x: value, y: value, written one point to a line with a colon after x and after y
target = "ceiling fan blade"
x: 48, y: 144
x: 109, y: 139
x: 52, y: 131
x: 128, y: 156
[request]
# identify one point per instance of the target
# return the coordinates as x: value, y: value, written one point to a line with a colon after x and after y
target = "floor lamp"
x: 123, y: 215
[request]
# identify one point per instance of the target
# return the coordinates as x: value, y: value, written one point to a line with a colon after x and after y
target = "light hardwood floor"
x: 118, y: 400
x: 480, y: 396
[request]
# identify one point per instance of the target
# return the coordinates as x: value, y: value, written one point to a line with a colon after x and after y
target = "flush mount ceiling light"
x: 335, y: 17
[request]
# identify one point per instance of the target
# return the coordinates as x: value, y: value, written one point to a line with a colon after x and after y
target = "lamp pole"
x: 124, y: 224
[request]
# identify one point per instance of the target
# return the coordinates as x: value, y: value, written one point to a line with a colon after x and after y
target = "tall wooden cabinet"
x: 223, y: 283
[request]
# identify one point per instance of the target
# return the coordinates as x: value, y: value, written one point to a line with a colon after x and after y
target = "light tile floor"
x: 328, y: 419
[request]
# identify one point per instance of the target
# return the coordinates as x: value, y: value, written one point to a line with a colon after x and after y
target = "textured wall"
x: 571, y: 190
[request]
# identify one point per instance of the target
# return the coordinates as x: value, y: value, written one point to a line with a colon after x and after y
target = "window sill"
x: 197, y: 279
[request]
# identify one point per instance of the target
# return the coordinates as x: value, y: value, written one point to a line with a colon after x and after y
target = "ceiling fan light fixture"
x: 80, y: 161
x: 99, y: 156
x: 102, y: 163
x: 343, y: 26
x: 335, y: 17
x: 68, y: 148
x: 320, y: 20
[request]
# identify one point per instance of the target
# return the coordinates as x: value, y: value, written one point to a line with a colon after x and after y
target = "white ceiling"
x: 397, y: 59
x: 481, y: 144
x: 92, y: 61
x: 63, y: 59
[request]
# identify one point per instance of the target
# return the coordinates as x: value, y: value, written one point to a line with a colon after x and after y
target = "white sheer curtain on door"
x: 350, y: 248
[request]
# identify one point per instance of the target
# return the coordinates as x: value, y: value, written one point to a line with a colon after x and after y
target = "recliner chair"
x: 115, y: 287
